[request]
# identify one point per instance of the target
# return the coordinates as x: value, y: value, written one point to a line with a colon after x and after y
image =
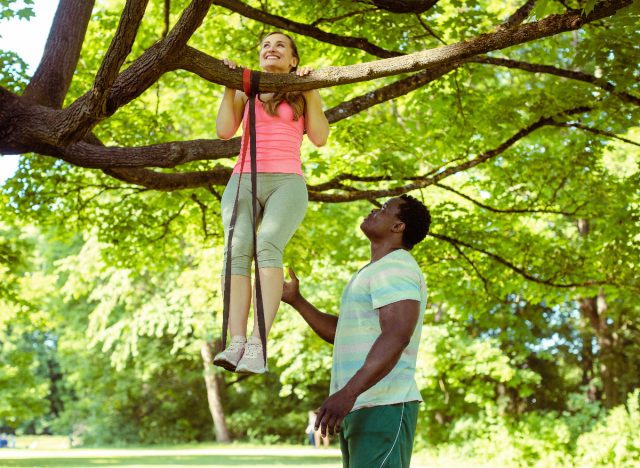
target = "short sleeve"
x: 393, y: 283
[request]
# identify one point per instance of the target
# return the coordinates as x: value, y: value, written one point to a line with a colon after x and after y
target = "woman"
x: 281, y: 120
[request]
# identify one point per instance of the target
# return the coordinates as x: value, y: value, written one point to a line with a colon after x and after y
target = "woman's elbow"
x: 318, y: 142
x: 319, y: 139
x: 223, y: 135
x: 225, y: 132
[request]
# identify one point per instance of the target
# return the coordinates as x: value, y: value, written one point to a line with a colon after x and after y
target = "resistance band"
x: 251, y: 84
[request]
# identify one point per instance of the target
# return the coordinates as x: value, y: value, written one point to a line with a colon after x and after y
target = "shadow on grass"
x: 186, y: 460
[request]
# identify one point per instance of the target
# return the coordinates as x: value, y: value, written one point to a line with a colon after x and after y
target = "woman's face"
x: 276, y: 54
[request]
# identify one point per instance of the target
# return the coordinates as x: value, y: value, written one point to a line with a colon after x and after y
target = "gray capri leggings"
x: 282, y: 203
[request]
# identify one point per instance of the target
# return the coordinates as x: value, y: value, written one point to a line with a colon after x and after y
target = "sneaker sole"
x: 225, y: 364
x: 246, y: 370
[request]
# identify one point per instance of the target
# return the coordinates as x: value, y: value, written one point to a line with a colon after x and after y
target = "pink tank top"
x: 278, y: 141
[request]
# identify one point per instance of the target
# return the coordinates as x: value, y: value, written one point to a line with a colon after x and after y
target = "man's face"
x: 381, y: 221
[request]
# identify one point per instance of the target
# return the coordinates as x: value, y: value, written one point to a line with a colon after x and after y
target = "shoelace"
x: 253, y: 350
x: 236, y: 345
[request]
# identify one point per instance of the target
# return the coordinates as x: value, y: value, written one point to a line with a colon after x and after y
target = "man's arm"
x: 323, y: 324
x: 397, y: 322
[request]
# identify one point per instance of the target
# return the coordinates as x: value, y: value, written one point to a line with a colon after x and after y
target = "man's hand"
x: 291, y: 289
x: 333, y: 411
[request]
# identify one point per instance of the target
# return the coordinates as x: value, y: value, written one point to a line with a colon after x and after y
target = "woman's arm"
x: 230, y: 113
x: 315, y: 120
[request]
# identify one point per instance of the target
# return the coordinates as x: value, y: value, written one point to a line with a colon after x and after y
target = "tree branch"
x: 596, y: 131
x: 170, y: 53
x: 177, y: 181
x: 51, y: 81
x: 505, y: 210
x: 441, y: 174
x: 167, y: 15
x: 164, y: 155
x: 519, y: 270
x: 80, y: 115
x: 405, y: 6
x: 485, y: 282
x: 304, y: 29
x: 169, y: 182
x: 429, y: 30
x: 519, y: 16
x: 74, y: 123
x: 341, y: 17
x: 551, y: 70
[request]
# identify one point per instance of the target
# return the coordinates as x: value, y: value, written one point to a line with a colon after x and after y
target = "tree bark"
x: 51, y: 81
x: 214, y: 393
x: 593, y: 311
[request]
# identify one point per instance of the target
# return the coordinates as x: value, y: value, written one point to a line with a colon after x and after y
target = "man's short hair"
x: 416, y: 219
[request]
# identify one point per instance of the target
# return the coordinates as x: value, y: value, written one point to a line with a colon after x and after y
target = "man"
x: 374, y: 397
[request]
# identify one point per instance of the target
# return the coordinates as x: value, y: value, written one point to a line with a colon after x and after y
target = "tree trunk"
x: 593, y: 311
x: 586, y: 363
x: 214, y: 394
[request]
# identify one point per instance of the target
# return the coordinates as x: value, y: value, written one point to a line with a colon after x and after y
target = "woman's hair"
x: 295, y: 99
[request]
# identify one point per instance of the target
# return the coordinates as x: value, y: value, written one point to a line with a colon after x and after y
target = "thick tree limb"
x: 80, y: 115
x: 51, y: 81
x: 304, y: 29
x: 519, y: 270
x: 164, y: 155
x: 386, y: 93
x: 73, y: 123
x: 120, y: 47
x: 177, y: 181
x: 164, y: 56
x: 95, y: 155
x: 551, y: 70
x: 214, y: 70
x: 167, y: 182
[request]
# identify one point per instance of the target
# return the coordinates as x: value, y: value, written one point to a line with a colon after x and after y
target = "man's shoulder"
x: 398, y: 259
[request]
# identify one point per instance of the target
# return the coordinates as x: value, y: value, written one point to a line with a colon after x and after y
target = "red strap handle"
x: 246, y: 81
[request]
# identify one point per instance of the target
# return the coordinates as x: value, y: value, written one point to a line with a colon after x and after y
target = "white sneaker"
x: 229, y: 357
x: 252, y: 361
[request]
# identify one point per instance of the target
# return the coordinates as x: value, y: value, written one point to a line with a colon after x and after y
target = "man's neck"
x: 380, y: 249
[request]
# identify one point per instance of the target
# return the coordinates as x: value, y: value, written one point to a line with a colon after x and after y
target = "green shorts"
x: 379, y: 436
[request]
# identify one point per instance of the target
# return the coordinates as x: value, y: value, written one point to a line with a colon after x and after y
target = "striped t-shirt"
x: 393, y: 278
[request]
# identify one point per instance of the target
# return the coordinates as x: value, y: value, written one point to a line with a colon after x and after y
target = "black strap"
x: 259, y: 305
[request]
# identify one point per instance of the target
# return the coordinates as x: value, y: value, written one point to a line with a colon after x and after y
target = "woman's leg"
x: 284, y: 210
x: 240, y: 281
x: 271, y: 282
x: 242, y: 252
x: 239, y: 304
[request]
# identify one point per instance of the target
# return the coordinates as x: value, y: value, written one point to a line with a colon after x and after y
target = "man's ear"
x: 398, y: 227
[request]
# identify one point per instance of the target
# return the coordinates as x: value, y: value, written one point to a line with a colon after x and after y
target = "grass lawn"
x: 40, y: 451
x: 230, y: 455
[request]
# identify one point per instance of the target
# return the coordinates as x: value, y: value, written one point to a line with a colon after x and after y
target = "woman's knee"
x: 269, y: 253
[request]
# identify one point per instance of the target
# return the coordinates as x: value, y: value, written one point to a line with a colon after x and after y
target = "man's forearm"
x: 382, y: 358
x: 323, y: 324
